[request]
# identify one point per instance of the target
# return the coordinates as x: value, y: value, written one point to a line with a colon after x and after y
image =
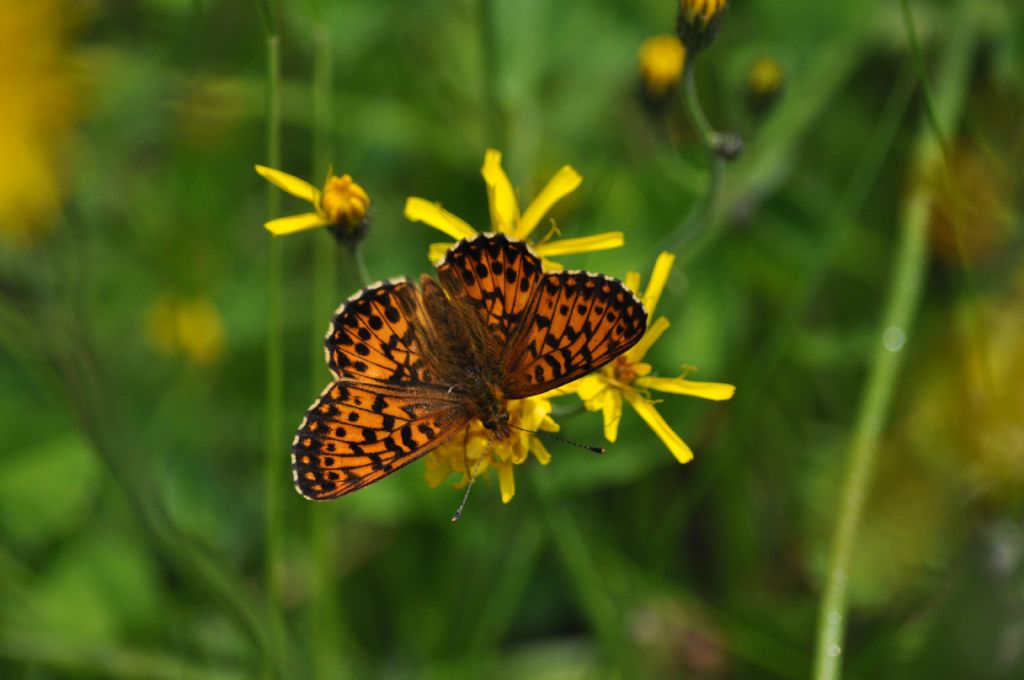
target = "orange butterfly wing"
x: 382, y: 412
x: 577, y: 322
x: 551, y: 327
x: 355, y: 434
x: 496, y: 278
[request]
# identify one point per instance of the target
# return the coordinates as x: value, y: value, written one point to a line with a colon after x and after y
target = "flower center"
x: 343, y: 201
x: 624, y: 370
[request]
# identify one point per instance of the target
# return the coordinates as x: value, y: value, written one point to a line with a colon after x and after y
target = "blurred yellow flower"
x: 342, y: 205
x: 506, y: 217
x: 698, y: 22
x: 474, y: 450
x: 661, y: 64
x: 764, y: 83
x: 629, y: 378
x: 764, y: 77
x: 39, y: 110
x: 701, y: 10
x: 192, y: 328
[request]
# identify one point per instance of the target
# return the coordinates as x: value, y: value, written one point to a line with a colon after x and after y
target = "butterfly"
x: 412, y: 366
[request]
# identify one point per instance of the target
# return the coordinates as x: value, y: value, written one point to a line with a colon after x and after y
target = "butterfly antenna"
x: 548, y: 435
x: 472, y: 479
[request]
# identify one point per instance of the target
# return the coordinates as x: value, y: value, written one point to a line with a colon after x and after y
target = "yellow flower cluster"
x: 506, y: 217
x: 629, y: 377
x: 474, y: 451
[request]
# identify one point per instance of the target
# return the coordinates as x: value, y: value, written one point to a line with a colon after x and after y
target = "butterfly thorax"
x: 466, y: 359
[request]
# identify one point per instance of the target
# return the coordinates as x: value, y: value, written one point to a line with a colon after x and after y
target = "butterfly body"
x: 412, y: 365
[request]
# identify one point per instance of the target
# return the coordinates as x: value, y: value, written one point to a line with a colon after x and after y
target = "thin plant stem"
x: 489, y: 73
x: 275, y: 446
x: 693, y: 106
x: 757, y: 376
x: 703, y: 214
x: 357, y: 266
x: 976, y: 327
x: 902, y: 300
x: 327, y: 657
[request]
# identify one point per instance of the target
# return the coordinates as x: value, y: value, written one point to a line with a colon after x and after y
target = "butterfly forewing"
x: 495, y: 277
x: 372, y: 337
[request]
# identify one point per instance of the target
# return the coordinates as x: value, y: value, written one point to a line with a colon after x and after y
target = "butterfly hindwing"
x: 576, y: 323
x: 355, y: 434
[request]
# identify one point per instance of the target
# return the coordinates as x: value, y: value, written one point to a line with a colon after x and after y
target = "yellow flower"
x: 698, y: 22
x: 764, y: 83
x: 629, y: 378
x: 342, y: 205
x: 192, y: 328
x: 661, y: 64
x: 38, y: 113
x: 765, y: 77
x: 473, y: 449
x: 506, y: 217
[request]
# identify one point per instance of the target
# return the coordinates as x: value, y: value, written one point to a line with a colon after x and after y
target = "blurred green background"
x: 134, y: 323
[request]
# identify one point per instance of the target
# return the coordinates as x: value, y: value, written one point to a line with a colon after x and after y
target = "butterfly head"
x: 495, y: 416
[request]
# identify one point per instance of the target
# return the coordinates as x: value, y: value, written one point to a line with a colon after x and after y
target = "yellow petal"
x: 436, y: 251
x: 661, y: 428
x: 694, y: 388
x: 632, y: 282
x: 432, y: 214
x: 539, y: 451
x: 583, y: 244
x: 612, y: 412
x: 565, y: 181
x: 589, y: 387
x: 656, y: 284
x: 654, y: 332
x: 506, y: 482
x: 564, y: 390
x: 289, y: 225
x: 299, y: 188
x: 501, y: 197
x: 435, y: 471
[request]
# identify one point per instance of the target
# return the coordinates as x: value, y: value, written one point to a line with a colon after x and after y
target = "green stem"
x: 329, y: 654
x: 357, y: 266
x: 489, y: 73
x: 694, y: 107
x: 275, y: 474
x: 694, y: 226
x: 901, y: 306
x: 756, y: 377
x: 976, y: 326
